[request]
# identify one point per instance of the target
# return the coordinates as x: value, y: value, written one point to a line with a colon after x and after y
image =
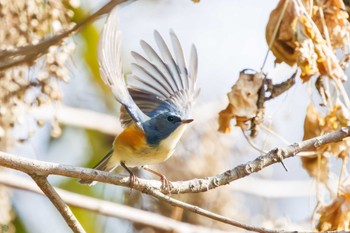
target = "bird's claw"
x: 133, y: 180
x: 166, y: 184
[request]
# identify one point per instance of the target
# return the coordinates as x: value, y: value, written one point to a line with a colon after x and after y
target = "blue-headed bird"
x: 155, y: 104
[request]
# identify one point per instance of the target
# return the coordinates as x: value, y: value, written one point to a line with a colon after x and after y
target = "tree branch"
x: 76, y: 117
x: 42, y: 168
x: 28, y: 53
x: 107, y: 208
x: 152, y: 187
x: 60, y: 205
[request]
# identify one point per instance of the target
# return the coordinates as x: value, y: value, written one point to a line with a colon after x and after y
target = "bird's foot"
x: 133, y: 180
x: 167, y: 186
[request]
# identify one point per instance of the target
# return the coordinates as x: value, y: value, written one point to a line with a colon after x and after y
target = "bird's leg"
x: 133, y: 178
x: 166, y: 184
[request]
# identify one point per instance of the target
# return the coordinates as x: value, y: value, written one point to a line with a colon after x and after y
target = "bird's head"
x: 162, y: 126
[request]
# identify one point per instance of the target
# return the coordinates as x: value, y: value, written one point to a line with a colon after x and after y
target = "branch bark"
x: 107, y: 208
x: 42, y: 168
x: 60, y: 205
x: 152, y: 187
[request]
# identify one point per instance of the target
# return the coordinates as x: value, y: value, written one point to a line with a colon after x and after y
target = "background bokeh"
x: 229, y: 36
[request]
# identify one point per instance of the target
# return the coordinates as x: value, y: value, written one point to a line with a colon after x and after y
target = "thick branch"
x: 42, y: 168
x: 27, y: 54
x: 107, y: 208
x: 152, y: 187
x: 60, y: 205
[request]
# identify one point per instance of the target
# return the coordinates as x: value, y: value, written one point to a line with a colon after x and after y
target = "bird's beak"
x: 186, y: 121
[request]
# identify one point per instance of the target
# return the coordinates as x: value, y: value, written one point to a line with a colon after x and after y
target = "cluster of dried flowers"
x: 26, y: 23
x: 23, y: 23
x: 314, y: 36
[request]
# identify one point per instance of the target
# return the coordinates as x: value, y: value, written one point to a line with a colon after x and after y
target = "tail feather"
x: 103, y: 165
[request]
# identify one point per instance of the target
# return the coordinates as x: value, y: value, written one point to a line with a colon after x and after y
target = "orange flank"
x: 132, y: 137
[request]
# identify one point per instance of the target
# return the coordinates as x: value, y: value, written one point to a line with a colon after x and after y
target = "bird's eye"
x: 170, y: 118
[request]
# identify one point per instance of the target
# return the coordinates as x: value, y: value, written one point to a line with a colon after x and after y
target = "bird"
x: 156, y: 99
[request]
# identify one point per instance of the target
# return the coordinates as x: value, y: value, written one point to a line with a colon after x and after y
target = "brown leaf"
x: 336, y: 22
x: 336, y: 216
x: 316, y: 166
x: 225, y: 117
x: 316, y: 125
x: 312, y: 126
x: 307, y: 57
x: 299, y: 39
x: 243, y: 101
x: 284, y: 46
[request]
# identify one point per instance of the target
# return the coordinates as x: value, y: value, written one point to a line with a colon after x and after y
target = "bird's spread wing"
x: 111, y: 67
x: 162, y: 81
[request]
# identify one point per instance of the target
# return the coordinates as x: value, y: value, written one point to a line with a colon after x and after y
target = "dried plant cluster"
x: 247, y: 98
x: 314, y: 37
x: 26, y: 23
x: 309, y: 33
x: 22, y: 23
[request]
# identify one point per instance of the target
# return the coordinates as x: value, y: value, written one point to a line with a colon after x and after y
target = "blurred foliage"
x: 23, y: 23
x: 99, y: 144
x: 20, y: 228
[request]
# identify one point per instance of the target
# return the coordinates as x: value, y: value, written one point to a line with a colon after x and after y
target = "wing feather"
x: 111, y: 67
x: 152, y: 71
x: 163, y: 82
x: 158, y: 62
x: 168, y: 59
x: 180, y: 59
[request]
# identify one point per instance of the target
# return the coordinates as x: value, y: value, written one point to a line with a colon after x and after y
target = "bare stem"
x: 60, y: 205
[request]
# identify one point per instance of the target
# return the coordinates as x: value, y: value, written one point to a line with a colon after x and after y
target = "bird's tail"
x: 103, y: 165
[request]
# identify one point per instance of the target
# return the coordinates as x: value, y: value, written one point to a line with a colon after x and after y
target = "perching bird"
x: 155, y: 104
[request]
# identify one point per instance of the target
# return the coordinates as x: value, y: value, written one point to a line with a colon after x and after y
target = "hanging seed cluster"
x: 22, y: 23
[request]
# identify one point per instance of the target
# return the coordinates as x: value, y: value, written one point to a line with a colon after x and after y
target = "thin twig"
x: 60, y: 205
x: 343, y: 169
x: 29, y: 53
x: 252, y: 144
x: 217, y: 217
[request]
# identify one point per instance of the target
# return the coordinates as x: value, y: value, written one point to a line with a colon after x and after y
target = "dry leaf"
x: 312, y: 126
x: 316, y: 125
x: 336, y: 21
x: 307, y: 57
x: 284, y: 46
x: 243, y: 101
x: 336, y: 119
x: 336, y: 216
x: 316, y: 166
x: 299, y: 40
x: 225, y: 117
